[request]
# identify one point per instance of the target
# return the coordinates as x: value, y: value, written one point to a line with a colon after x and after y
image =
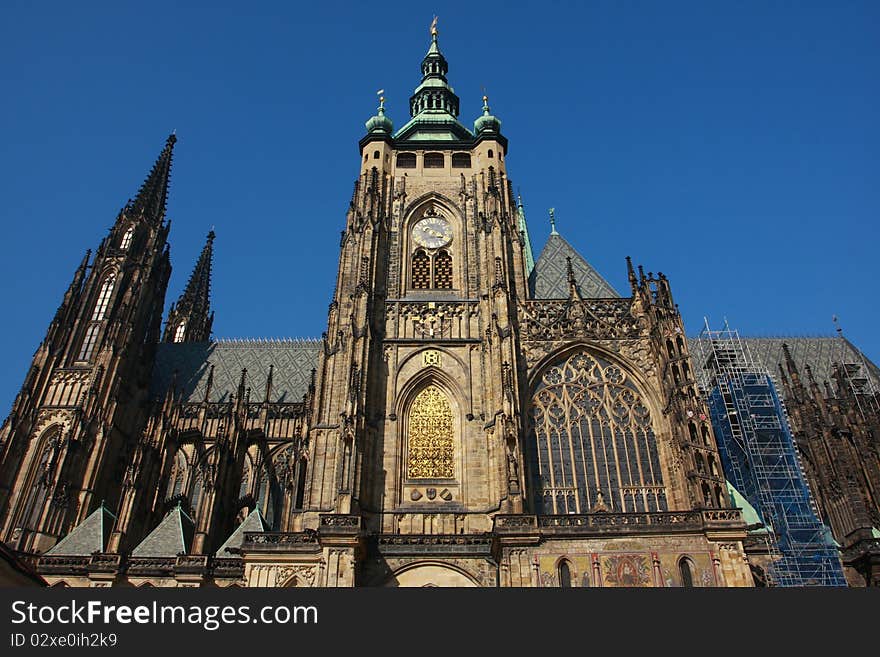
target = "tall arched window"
x: 443, y: 271
x: 126, y: 239
x: 430, y: 436
x: 421, y: 270
x: 269, y: 494
x: 300, y: 498
x: 593, y: 442
x: 104, y: 298
x: 196, y: 490
x: 180, y: 332
x: 246, y: 474
x: 177, y: 478
x: 41, y: 478
x: 90, y: 339
x: 686, y: 572
x: 564, y: 575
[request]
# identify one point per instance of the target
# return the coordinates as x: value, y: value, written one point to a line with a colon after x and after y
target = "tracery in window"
x: 88, y: 343
x: 593, y: 445
x: 104, y: 298
x: 180, y: 332
x: 126, y: 239
x: 421, y: 270
x: 443, y: 271
x: 430, y: 436
x: 177, y: 477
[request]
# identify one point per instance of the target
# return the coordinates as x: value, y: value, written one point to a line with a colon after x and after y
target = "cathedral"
x: 470, y: 417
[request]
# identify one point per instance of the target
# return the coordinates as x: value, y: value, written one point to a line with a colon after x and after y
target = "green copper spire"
x: 434, y: 95
x: 487, y: 123
x: 434, y: 107
x: 524, y: 231
x: 380, y: 124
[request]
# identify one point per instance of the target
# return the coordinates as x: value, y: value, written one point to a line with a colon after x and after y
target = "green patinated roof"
x: 434, y: 125
x: 87, y: 537
x: 750, y: 514
x: 253, y: 523
x: 524, y: 229
x: 171, y: 537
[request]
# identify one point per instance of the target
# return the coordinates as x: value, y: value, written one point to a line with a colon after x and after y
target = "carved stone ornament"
x: 304, y: 575
x: 431, y: 357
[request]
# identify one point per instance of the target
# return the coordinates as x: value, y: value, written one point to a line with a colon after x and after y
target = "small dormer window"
x: 126, y: 239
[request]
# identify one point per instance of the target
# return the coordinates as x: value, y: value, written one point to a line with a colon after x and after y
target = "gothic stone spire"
x: 191, y: 318
x: 150, y: 200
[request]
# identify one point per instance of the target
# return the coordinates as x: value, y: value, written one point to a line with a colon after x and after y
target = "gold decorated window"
x: 431, y: 441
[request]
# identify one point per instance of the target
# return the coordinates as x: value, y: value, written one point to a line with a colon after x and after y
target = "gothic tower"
x: 417, y: 414
x: 80, y: 411
x: 451, y: 404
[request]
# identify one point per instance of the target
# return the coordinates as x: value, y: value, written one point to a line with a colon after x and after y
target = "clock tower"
x: 417, y: 422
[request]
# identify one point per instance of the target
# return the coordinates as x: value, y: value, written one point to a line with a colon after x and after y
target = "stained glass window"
x: 593, y: 445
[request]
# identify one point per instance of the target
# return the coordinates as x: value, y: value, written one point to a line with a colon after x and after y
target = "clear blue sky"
x: 733, y: 146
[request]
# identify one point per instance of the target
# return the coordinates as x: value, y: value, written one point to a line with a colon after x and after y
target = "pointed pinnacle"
x: 153, y: 194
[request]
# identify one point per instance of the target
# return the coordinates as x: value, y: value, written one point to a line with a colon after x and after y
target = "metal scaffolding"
x: 761, y: 461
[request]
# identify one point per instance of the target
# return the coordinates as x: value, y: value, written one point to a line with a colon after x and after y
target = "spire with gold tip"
x: 380, y: 124
x: 487, y: 123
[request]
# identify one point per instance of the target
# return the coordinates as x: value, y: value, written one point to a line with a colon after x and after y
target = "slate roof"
x: 293, y: 361
x: 88, y: 536
x: 549, y: 278
x: 171, y: 537
x: 817, y: 352
x: 253, y: 523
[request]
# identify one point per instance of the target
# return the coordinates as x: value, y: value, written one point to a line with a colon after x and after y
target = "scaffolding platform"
x: 761, y: 461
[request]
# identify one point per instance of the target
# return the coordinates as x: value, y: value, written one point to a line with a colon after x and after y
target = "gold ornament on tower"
x: 431, y: 444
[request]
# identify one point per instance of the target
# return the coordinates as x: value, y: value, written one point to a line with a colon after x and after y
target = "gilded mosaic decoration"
x: 627, y: 570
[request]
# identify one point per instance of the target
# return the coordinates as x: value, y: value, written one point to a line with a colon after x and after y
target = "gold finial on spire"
x: 434, y: 27
x: 381, y: 94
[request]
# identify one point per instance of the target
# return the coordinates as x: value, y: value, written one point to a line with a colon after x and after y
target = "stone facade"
x: 455, y: 430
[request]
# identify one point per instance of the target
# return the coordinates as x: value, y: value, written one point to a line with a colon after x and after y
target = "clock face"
x: 432, y: 232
